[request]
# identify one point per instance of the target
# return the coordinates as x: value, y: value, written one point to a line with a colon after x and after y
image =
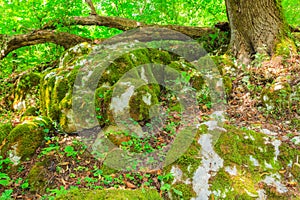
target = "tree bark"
x: 67, y: 40
x: 255, y: 27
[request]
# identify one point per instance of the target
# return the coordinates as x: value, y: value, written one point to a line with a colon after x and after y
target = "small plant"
x: 166, y: 186
x: 25, y: 185
x: 6, y: 195
x: 69, y: 150
x: 56, y: 192
x: 47, y: 150
x: 107, y: 179
x: 4, y: 178
x: 97, y: 172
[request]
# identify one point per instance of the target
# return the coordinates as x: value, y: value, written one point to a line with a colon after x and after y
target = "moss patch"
x: 25, y: 138
x: 4, y: 131
x: 141, y: 194
x: 37, y: 178
x: 186, y: 190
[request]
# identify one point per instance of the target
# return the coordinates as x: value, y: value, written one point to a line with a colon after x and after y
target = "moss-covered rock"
x: 4, y: 131
x: 57, y: 84
x: 252, y: 165
x: 182, y: 191
x: 25, y: 138
x: 141, y: 194
x: 25, y: 93
x: 37, y: 178
x: 286, y: 47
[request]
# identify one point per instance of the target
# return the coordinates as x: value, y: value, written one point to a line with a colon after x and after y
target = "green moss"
x: 235, y: 186
x: 4, y: 131
x: 286, y: 47
x: 103, y: 97
x: 37, y: 178
x: 276, y: 96
x: 74, y: 54
x: 296, y: 171
x: 189, y: 162
x: 296, y: 123
x: 28, y: 81
x: 141, y: 194
x: 221, y: 181
x: 187, y: 191
x: 227, y: 84
x: 28, y: 136
x: 236, y: 146
x: 139, y: 107
x: 31, y: 111
x: 60, y: 89
x: 107, y: 170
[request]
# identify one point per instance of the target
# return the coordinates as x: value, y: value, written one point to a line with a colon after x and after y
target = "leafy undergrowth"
x: 245, y: 103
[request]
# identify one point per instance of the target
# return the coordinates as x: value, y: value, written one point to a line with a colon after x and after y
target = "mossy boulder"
x: 37, y: 177
x: 141, y: 194
x: 4, y: 131
x: 25, y: 138
x: 25, y: 93
x: 57, y: 85
x: 286, y: 47
x: 235, y: 163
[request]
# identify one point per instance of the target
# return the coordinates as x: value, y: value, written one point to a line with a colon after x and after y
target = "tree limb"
x: 128, y: 24
x: 92, y: 7
x: 66, y: 40
x: 96, y: 20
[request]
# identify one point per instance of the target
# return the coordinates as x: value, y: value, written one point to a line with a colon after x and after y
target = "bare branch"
x: 96, y: 20
x: 128, y: 24
x: 92, y: 7
x: 66, y: 40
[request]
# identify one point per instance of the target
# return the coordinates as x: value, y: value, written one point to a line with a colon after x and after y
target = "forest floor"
x: 70, y: 164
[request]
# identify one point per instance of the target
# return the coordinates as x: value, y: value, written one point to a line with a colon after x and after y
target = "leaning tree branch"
x: 128, y: 24
x: 66, y: 40
x: 96, y: 20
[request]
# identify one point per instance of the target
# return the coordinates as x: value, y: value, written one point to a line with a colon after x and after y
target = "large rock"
x: 127, y: 72
x: 230, y: 163
x: 4, y: 131
x: 25, y: 138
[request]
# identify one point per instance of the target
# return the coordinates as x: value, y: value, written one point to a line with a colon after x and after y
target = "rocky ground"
x: 248, y: 150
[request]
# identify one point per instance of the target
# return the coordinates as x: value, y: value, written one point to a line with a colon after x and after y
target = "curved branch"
x: 96, y: 20
x: 66, y: 40
x: 128, y: 24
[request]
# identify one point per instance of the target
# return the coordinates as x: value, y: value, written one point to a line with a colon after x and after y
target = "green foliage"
x: 6, y: 194
x: 4, y: 178
x: 291, y: 11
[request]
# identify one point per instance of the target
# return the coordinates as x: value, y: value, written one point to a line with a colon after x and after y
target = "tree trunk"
x: 255, y: 27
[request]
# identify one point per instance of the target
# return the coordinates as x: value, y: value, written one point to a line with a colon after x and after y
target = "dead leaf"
x: 130, y: 185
